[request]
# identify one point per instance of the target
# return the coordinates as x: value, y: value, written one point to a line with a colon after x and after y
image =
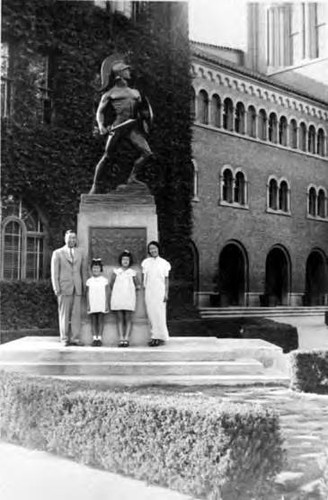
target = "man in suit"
x: 68, y: 276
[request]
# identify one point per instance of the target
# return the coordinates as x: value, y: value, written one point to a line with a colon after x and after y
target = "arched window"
x: 293, y: 134
x: 273, y: 128
x: 262, y: 125
x: 312, y: 201
x: 321, y: 203
x: 240, y: 118
x: 283, y: 196
x: 283, y: 131
x: 193, y: 104
x: 195, y: 180
x: 6, y: 82
x: 251, y: 121
x: 302, y: 137
x: 203, y: 107
x: 216, y: 111
x: 240, y: 189
x: 12, y: 251
x: 228, y: 114
x: 273, y: 194
x: 22, y: 241
x: 321, y: 142
x: 227, y: 185
x: 311, y: 140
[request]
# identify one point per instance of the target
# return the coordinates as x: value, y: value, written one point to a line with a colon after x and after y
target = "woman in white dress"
x: 124, y: 284
x: 155, y: 271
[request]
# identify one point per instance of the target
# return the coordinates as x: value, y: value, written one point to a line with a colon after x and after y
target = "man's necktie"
x: 71, y: 253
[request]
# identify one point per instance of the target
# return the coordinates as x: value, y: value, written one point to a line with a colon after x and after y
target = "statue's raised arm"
x: 122, y: 113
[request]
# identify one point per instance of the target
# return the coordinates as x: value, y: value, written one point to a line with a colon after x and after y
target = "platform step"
x: 138, y: 368
x: 178, y: 349
x: 271, y: 379
x: 184, y: 359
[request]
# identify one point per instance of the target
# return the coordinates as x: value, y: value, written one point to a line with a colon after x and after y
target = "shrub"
x: 10, y: 335
x: 195, y: 446
x: 180, y: 303
x: 309, y: 371
x: 26, y: 304
x: 32, y: 305
x: 280, y: 334
x: 190, y: 327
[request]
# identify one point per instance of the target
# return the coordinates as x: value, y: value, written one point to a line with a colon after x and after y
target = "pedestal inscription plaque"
x: 107, y: 243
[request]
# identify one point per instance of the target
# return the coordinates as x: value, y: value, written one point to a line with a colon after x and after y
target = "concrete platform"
x: 183, y: 360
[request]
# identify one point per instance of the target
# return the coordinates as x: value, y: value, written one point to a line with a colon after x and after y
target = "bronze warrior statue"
x: 122, y: 113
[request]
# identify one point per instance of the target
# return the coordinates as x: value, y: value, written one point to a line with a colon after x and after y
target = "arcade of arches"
x: 231, y: 279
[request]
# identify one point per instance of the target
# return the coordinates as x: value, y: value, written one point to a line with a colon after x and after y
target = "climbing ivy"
x: 52, y: 164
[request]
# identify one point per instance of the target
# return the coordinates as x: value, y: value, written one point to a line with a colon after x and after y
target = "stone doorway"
x: 277, y: 277
x: 316, y: 286
x: 232, y: 276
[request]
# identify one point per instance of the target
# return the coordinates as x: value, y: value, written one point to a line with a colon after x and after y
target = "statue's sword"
x: 121, y: 125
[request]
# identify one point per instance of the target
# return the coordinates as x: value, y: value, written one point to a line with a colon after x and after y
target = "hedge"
x: 192, y: 445
x: 28, y: 304
x: 10, y: 335
x: 280, y: 334
x: 309, y: 371
x: 32, y: 305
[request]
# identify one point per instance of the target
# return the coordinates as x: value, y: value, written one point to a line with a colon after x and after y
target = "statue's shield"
x: 145, y: 115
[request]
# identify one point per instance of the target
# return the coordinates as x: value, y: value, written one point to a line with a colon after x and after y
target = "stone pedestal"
x: 107, y: 225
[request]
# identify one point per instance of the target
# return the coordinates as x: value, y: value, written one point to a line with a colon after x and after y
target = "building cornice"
x: 256, y: 77
x: 213, y: 46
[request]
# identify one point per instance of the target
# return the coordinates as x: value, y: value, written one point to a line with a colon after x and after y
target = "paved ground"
x: 311, y: 336
x: 36, y: 475
x: 304, y: 423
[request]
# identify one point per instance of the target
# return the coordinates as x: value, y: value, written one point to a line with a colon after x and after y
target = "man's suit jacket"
x: 68, y: 275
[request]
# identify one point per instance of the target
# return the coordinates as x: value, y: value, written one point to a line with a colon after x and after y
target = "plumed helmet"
x: 110, y: 67
x: 119, y: 66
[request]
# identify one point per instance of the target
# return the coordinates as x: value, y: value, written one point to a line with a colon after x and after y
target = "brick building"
x: 261, y: 167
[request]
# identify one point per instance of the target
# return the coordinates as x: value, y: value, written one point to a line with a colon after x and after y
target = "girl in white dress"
x: 156, y: 282
x: 97, y: 300
x: 124, y: 284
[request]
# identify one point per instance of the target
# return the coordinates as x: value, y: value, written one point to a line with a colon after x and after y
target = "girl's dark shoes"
x: 96, y: 343
x: 156, y: 342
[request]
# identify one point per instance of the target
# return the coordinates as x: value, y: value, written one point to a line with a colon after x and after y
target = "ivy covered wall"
x: 51, y: 164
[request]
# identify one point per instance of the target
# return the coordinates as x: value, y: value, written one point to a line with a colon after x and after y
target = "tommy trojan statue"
x: 122, y: 113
